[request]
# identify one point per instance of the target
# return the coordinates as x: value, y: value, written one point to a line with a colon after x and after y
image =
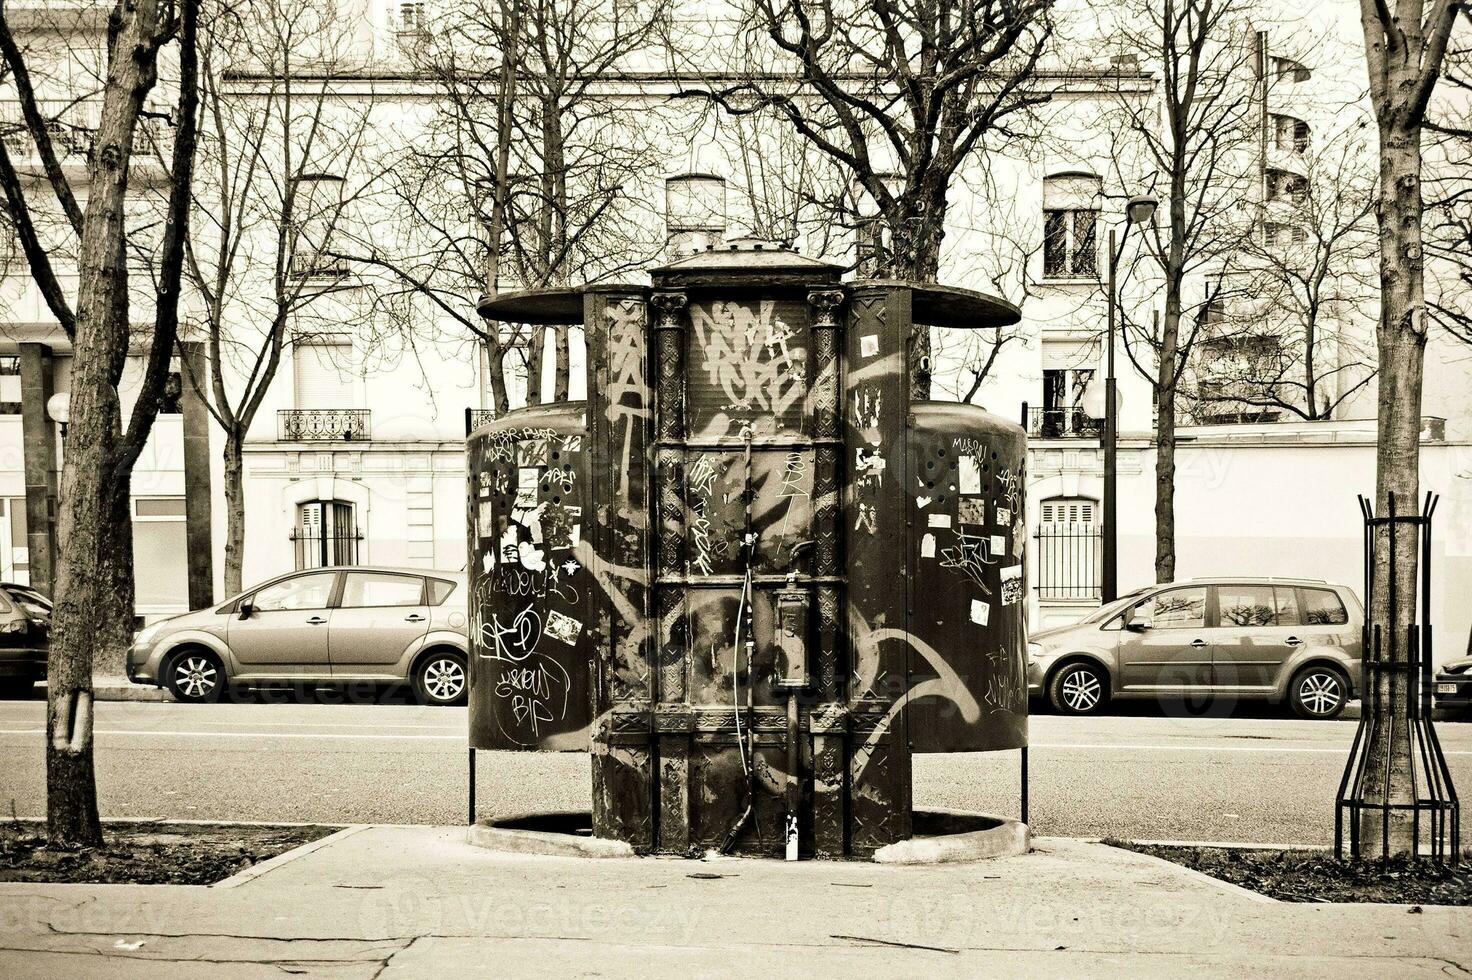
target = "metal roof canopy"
x: 739, y: 267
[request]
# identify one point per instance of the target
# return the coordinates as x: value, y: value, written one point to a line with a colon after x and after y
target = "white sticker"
x: 1004, y: 516
x: 940, y: 520
x: 999, y: 545
x: 1011, y: 585
x: 563, y: 628
x: 869, y: 345
x: 970, y: 475
x: 981, y: 612
x: 927, y: 546
x: 528, y: 477
x: 922, y: 502
x: 970, y: 510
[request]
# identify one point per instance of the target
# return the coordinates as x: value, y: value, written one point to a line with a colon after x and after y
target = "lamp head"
x: 1141, y: 208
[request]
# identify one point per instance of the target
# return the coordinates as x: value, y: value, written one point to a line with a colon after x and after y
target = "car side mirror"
x: 246, y: 608
x: 1136, y: 623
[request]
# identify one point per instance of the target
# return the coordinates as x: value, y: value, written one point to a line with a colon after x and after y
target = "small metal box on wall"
x: 749, y: 574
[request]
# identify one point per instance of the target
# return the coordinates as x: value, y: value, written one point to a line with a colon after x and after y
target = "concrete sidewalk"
x: 420, y: 901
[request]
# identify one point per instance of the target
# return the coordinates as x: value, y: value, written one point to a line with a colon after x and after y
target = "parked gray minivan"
x: 1268, y: 638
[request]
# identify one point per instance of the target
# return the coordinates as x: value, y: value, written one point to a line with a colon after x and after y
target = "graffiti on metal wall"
x: 748, y: 366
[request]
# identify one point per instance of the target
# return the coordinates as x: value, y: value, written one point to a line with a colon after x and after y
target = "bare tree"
x: 1192, y: 143
x: 899, y: 95
x: 1303, y: 279
x: 525, y: 169
x: 1405, y: 43
x: 93, y: 612
x: 275, y: 184
x: 1449, y: 190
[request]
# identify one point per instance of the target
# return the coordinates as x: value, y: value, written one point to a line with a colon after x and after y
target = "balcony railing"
x: 1063, y: 423
x: 323, y: 424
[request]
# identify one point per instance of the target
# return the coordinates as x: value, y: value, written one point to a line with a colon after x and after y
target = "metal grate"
x: 1063, y: 423
x: 1068, y: 556
x: 323, y: 424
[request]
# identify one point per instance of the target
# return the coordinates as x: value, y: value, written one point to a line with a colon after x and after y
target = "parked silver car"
x: 1271, y: 638
x: 324, y: 625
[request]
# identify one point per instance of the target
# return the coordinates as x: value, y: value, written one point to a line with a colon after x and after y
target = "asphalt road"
x: 1144, y: 775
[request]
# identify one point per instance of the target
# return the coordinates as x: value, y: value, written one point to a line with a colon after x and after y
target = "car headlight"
x: 147, y: 634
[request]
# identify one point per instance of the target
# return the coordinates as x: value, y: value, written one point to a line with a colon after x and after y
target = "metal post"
x: 1024, y: 784
x: 1109, y: 587
x: 471, y: 773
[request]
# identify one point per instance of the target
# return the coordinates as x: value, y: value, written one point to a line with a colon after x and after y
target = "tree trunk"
x: 916, y: 232
x: 1401, y: 337
x: 536, y: 347
x: 563, y: 367
x: 234, y: 512
x: 1165, y: 437
x: 94, y: 545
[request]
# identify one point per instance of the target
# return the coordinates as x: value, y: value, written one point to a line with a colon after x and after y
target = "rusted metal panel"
x: 768, y: 627
x: 530, y: 610
x: 968, y: 680
x: 876, y: 433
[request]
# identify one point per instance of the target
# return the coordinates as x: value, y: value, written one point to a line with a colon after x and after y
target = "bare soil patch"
x: 1318, y: 876
x: 148, y: 853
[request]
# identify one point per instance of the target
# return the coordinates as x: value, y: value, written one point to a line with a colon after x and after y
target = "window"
x: 694, y: 212
x: 1070, y: 225
x: 1068, y: 557
x: 301, y: 592
x: 1176, y: 609
x: 1286, y: 602
x: 1284, y: 186
x: 325, y: 534
x: 1246, y: 605
x: 1283, y: 233
x: 1290, y: 70
x: 362, y: 589
x: 1062, y: 413
x: 1069, y: 243
x: 34, y: 603
x: 316, y: 209
x: 1289, y: 134
x: 322, y: 373
x: 10, y: 385
x: 439, y: 591
x: 160, y: 552
x: 412, y: 17
x: 1321, y: 607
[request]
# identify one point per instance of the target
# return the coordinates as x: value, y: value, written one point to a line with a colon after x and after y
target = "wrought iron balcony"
x: 1063, y: 423
x: 323, y: 424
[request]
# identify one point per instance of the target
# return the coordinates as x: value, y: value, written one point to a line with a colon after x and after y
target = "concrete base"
x: 948, y: 836
x: 941, y: 837
x: 566, y: 833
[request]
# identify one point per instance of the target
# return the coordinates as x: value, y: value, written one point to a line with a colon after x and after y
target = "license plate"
x: 1446, y: 689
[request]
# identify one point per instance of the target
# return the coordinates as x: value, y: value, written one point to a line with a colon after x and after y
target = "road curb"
x: 286, y: 857
x: 1201, y: 876
x: 120, y: 689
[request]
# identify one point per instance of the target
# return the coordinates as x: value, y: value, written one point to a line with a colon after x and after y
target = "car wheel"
x: 196, y: 677
x: 440, y: 679
x: 1079, y: 689
x: 1318, y: 692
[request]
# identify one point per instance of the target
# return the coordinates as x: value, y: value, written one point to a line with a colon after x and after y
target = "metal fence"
x: 331, y: 540
x: 323, y: 424
x: 1068, y: 561
x: 1063, y: 423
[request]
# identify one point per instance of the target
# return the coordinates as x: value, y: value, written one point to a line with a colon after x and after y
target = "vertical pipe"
x: 1024, y: 784
x: 470, y: 773
x: 1110, y: 587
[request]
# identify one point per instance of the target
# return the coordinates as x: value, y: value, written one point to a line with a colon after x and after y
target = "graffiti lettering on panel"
x: 749, y: 366
x: 530, y: 584
x: 781, y: 508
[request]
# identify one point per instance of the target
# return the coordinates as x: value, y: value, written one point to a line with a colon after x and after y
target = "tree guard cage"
x: 749, y: 574
x: 1366, y: 790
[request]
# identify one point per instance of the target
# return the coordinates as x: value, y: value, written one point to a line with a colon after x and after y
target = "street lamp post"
x: 1140, y: 209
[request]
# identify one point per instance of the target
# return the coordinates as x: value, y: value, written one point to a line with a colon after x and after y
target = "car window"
x: 379, y: 589
x: 302, y: 592
x: 1287, y: 603
x: 1175, y: 609
x: 439, y: 590
x: 1321, y: 607
x: 1245, y: 605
